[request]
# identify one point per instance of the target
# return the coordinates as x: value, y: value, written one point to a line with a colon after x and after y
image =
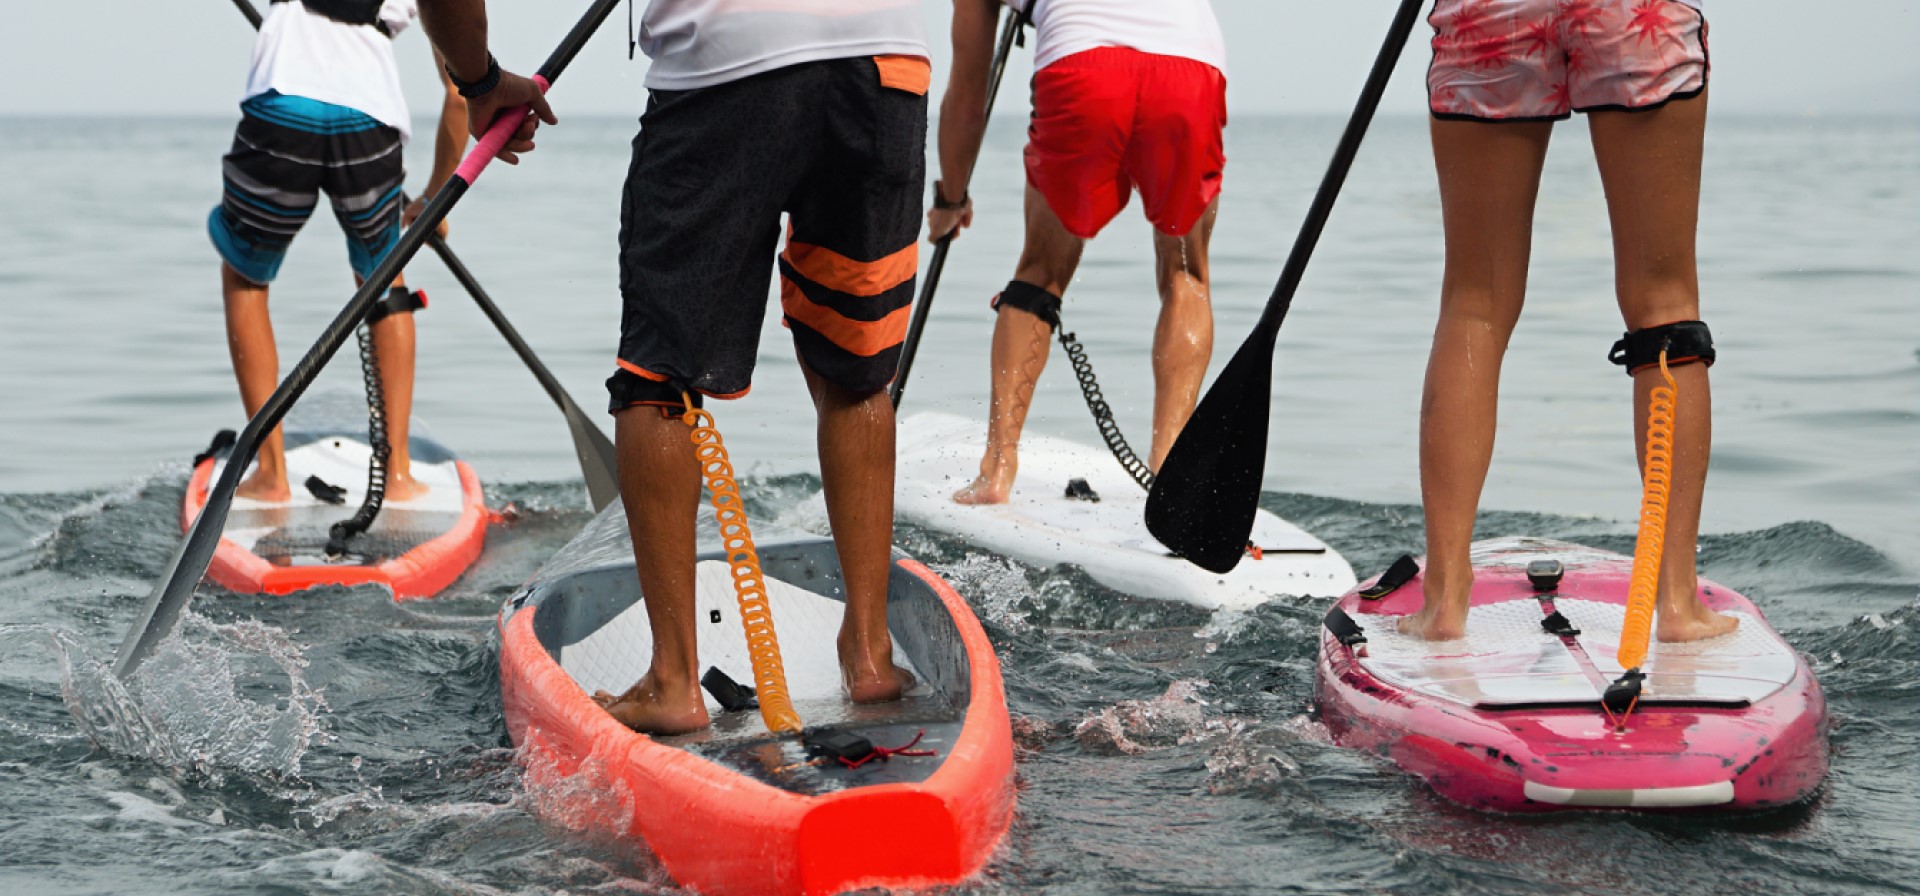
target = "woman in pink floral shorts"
x: 1503, y: 71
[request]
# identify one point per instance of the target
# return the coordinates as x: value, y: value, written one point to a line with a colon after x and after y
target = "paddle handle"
x: 190, y: 560
x: 918, y: 324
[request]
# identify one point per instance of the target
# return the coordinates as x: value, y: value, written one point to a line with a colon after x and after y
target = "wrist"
x: 473, y: 86
x: 942, y: 200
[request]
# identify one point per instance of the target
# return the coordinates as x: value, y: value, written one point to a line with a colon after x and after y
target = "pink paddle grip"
x: 494, y: 139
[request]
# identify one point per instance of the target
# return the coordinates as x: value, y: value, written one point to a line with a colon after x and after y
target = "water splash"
x: 214, y: 698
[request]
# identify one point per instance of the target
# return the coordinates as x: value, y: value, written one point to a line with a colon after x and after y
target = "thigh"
x: 364, y: 181
x: 1176, y: 156
x: 1489, y: 178
x: 699, y: 223
x: 1650, y: 164
x: 1083, y: 112
x: 270, y: 182
x: 847, y: 275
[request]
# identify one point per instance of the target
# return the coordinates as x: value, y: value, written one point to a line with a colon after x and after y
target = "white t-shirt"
x: 302, y: 53
x: 700, y: 43
x: 1184, y: 28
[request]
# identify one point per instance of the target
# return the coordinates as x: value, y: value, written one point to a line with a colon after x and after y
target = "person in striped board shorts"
x: 323, y: 112
x: 1503, y: 72
x: 756, y: 110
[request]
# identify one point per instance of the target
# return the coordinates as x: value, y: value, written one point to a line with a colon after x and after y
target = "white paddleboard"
x: 940, y: 453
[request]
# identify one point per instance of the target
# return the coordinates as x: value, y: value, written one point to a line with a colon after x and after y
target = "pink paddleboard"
x: 1510, y: 718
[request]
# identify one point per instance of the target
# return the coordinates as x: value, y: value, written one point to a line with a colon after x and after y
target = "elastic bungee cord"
x: 743, y: 561
x: 1642, y: 591
x: 341, y: 532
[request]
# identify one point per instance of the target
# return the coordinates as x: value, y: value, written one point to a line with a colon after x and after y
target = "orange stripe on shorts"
x: 913, y: 74
x: 855, y: 278
x: 863, y: 338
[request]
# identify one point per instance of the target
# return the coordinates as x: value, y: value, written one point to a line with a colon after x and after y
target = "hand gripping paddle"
x: 1204, y: 498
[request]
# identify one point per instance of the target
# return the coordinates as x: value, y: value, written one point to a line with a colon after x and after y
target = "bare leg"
x: 1020, y: 345
x: 256, y: 363
x: 856, y: 471
x: 1183, y: 338
x: 660, y: 488
x: 1489, y: 177
x: 1650, y: 164
x: 393, y: 342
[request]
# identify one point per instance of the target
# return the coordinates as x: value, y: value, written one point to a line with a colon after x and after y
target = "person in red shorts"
x: 1503, y: 71
x: 1128, y: 94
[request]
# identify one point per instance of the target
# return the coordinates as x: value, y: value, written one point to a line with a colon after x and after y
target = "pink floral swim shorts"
x: 1535, y: 60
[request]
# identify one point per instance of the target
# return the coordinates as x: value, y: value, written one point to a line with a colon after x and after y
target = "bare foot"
x: 1436, y: 622
x: 645, y: 709
x: 404, y: 488
x: 1443, y: 612
x: 995, y: 483
x: 262, y: 486
x: 868, y: 672
x: 1692, y: 623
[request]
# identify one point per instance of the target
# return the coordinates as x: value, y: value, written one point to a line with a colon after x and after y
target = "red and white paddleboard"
x: 1510, y: 717
x: 736, y: 810
x: 416, y: 547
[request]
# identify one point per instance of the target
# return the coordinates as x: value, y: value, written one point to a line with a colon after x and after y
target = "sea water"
x: 337, y: 742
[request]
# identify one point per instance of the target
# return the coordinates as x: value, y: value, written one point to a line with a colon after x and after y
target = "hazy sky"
x: 171, y: 57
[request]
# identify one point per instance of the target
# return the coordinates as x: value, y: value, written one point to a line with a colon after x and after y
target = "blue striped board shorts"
x: 286, y: 150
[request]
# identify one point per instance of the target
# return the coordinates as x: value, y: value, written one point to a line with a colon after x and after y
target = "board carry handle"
x: 189, y: 563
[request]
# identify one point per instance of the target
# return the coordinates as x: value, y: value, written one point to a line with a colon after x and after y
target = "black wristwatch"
x: 482, y: 87
x: 940, y: 199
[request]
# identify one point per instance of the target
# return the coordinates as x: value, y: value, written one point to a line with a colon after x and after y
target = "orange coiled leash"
x: 1643, y: 586
x: 749, y: 583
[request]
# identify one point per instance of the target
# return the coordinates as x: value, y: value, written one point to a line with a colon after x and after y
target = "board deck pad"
x: 618, y: 654
x: 938, y: 454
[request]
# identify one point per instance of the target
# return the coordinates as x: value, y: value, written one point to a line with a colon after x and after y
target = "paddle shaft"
x: 918, y: 325
x: 1207, y: 492
x: 190, y: 560
x: 597, y: 458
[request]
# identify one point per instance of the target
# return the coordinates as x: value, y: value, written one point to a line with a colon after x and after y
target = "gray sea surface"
x: 338, y: 742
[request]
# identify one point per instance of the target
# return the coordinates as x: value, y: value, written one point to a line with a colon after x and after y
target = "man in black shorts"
x: 785, y: 109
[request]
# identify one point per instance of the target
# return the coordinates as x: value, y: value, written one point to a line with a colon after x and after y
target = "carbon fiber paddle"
x: 189, y: 562
x: 1204, y: 498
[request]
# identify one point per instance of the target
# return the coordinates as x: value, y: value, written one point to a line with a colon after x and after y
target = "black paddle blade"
x: 1204, y: 498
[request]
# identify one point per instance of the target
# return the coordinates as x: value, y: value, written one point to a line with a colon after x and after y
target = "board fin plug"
x: 1079, y: 490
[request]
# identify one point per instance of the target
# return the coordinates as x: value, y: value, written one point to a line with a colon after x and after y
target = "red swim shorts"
x: 1540, y: 60
x: 1110, y: 119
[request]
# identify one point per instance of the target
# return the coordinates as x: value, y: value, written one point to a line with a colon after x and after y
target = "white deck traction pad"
x: 1744, y: 666
x: 940, y: 453
x: 342, y: 461
x: 1506, y: 659
x: 617, y: 654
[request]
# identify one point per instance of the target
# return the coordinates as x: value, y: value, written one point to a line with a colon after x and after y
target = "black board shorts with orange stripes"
x: 839, y: 148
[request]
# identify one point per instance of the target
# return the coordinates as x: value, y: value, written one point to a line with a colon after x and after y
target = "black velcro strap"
x: 398, y: 300
x: 626, y: 389
x: 1685, y: 342
x: 222, y: 440
x: 1401, y: 572
x: 325, y: 491
x: 844, y: 746
x: 1031, y: 299
x: 731, y: 695
x: 1343, y: 627
x: 1558, y: 624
